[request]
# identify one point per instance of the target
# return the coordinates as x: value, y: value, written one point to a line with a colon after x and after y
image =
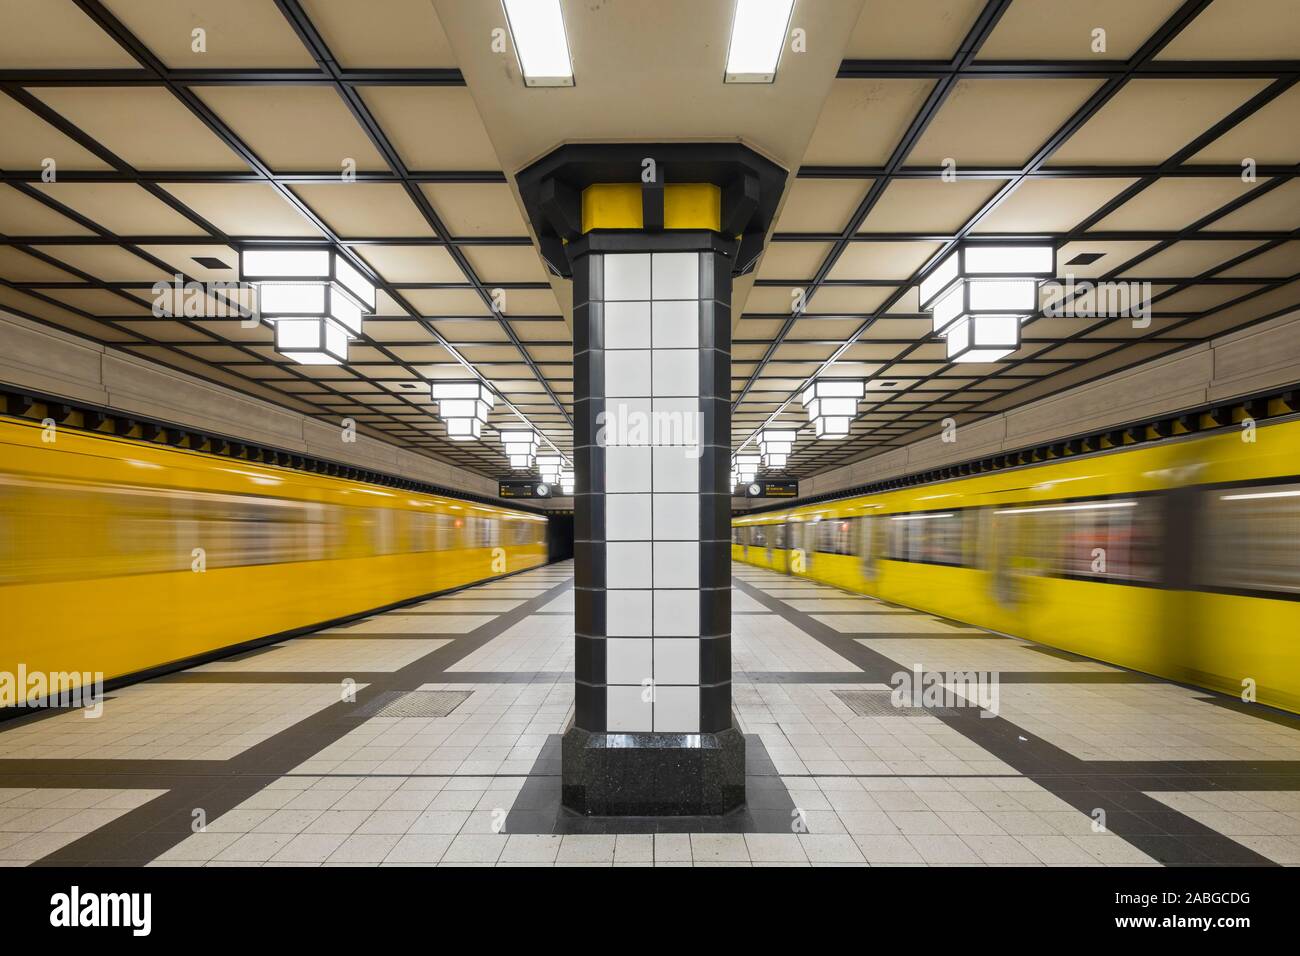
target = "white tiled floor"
x: 767, y: 642
x: 333, y: 654
x: 499, y: 729
x: 398, y: 623
x: 807, y: 729
x: 35, y: 823
x: 561, y: 605
x: 506, y: 590
x: 339, y: 820
x: 742, y: 603
x: 863, y: 623
x: 160, y: 721
x: 902, y: 789
x: 840, y: 603
x: 937, y: 820
x: 1266, y: 821
x: 975, y: 653
x: 1153, y: 721
x: 463, y: 605
x: 539, y: 643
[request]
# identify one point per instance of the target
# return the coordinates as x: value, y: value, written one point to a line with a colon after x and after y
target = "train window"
x: 868, y: 534
x: 236, y: 531
x: 759, y: 533
x: 930, y: 538
x: 1115, y: 540
x: 834, y: 536
x: 444, y: 531
x: 1250, y: 539
x: 780, y: 539
x: 1116, y: 543
x: 50, y: 533
x: 735, y: 534
x: 384, y: 531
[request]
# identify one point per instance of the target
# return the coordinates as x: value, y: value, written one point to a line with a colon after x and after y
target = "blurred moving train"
x: 1180, y: 558
x: 121, y: 556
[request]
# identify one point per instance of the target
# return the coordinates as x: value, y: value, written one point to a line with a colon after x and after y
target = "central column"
x: 652, y: 265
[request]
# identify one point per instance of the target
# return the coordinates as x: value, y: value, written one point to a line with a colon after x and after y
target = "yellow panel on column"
x: 618, y: 206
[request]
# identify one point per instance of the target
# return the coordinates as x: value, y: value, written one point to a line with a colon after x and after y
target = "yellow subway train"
x: 1179, y: 558
x: 120, y: 556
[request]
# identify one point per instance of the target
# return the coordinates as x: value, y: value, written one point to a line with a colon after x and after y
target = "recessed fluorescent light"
x: 537, y: 29
x: 758, y: 32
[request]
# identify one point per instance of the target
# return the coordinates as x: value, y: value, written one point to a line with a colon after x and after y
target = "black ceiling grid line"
x: 208, y: 337
x: 964, y: 56
x: 232, y: 76
x: 316, y: 45
x: 143, y: 55
x: 1070, y: 69
x: 1118, y: 171
x: 909, y: 432
x: 250, y: 241
x: 852, y: 448
x: 903, y: 414
x: 233, y: 176
x: 1073, y: 235
x: 1266, y: 285
x: 94, y: 282
x: 984, y: 24
x: 59, y: 122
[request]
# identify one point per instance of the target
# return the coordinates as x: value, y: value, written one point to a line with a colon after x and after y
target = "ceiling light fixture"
x: 980, y: 294
x: 550, y: 468
x: 313, y: 298
x: 537, y: 31
x: 758, y: 32
x: 521, y: 447
x: 464, y: 407
x: 831, y: 404
x: 746, y: 467
x: 775, y: 447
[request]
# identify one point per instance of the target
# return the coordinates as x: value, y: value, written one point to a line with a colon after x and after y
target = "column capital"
x: 580, y: 189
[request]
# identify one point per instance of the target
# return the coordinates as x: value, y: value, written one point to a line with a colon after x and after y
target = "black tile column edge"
x: 715, y: 499
x: 589, y: 499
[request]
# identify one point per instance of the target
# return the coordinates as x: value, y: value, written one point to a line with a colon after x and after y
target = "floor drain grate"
x: 414, y: 703
x: 880, y: 703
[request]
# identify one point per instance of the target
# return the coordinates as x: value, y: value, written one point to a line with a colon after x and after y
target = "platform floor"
x: 258, y: 760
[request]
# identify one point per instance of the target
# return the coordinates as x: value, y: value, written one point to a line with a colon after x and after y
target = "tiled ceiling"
x: 168, y: 159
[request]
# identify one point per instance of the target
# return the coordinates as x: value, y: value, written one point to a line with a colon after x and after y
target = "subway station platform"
x: 496, y: 434
x: 449, y: 752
